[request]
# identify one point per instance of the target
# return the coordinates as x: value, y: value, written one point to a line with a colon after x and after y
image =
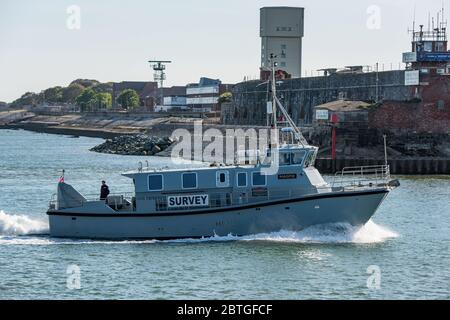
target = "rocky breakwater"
x: 136, y: 145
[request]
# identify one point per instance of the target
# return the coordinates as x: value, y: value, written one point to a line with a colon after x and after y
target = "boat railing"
x: 228, y: 199
x: 357, y: 177
x: 115, y: 200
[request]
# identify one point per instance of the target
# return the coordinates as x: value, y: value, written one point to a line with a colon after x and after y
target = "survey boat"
x: 239, y: 199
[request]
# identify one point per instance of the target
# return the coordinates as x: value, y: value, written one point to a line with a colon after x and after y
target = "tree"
x: 225, y: 97
x: 103, y: 100
x: 71, y: 93
x: 53, y: 95
x: 103, y: 87
x: 85, y: 83
x: 27, y: 99
x: 86, y: 99
x: 128, y: 99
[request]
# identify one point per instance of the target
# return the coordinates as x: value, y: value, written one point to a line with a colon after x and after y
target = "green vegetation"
x: 225, y: 97
x: 27, y: 99
x: 90, y: 100
x: 52, y: 95
x: 128, y: 99
x: 98, y: 96
x: 103, y: 100
x: 71, y: 93
x: 86, y: 99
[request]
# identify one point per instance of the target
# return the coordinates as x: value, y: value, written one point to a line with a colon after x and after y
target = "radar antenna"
x: 159, y: 66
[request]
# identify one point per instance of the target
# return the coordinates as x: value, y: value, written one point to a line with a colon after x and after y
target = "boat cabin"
x: 219, y: 186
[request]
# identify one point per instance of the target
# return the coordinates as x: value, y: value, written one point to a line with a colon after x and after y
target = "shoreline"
x: 77, y: 132
x: 96, y: 127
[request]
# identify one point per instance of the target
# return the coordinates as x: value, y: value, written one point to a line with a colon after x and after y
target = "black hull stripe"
x: 218, y: 210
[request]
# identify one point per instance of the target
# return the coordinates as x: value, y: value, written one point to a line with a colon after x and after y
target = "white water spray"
x: 19, y: 225
x: 335, y: 233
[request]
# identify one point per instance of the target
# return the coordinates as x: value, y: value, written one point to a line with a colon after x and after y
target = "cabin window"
x: 310, y: 159
x: 297, y: 157
x: 242, y: 179
x: 189, y: 180
x: 155, y: 182
x: 285, y: 159
x: 258, y: 179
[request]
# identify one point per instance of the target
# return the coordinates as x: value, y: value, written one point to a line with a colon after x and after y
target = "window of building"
x: 242, y: 179
x: 189, y: 180
x: 258, y: 179
x: 283, y: 47
x: 282, y: 64
x: 155, y: 182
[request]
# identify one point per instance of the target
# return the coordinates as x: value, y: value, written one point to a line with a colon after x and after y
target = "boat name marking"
x: 199, y: 200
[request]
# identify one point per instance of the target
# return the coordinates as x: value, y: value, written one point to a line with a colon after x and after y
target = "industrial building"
x: 281, y: 31
x: 204, y: 96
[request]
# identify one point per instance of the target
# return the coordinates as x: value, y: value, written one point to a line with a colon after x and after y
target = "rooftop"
x: 344, y: 105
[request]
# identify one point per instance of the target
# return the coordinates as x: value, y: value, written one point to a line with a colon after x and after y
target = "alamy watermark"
x: 73, y: 21
x: 73, y: 281
x: 374, y: 280
x: 234, y: 146
x: 374, y: 17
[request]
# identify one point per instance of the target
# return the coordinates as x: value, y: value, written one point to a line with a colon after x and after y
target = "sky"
x: 44, y: 44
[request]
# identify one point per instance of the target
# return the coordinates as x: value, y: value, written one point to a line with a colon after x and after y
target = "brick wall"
x: 429, y: 113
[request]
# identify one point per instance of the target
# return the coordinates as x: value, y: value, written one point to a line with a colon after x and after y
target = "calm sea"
x: 404, y: 253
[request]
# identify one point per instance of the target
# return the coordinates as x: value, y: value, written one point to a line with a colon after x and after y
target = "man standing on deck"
x: 104, y: 191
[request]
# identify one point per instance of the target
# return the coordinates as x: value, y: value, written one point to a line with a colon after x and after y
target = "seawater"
x: 407, y: 241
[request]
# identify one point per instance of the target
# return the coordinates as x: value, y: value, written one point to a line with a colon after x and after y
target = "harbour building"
x: 281, y: 31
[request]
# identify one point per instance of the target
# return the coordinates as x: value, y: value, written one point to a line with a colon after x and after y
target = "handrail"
x: 354, y: 176
x: 89, y: 198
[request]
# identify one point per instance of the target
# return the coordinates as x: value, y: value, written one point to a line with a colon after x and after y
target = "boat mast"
x: 273, y: 64
x: 277, y: 104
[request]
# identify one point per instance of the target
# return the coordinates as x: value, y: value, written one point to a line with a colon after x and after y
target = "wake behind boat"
x: 239, y: 199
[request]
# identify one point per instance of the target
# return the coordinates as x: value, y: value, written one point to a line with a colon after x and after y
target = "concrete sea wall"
x: 300, y: 95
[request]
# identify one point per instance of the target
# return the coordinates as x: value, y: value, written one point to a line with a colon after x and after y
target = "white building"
x: 282, y: 30
x: 204, y: 96
x: 175, y: 101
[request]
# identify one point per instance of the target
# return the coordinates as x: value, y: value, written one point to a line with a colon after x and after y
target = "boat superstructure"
x: 238, y: 199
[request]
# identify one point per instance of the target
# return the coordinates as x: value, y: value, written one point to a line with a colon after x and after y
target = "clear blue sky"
x: 218, y: 39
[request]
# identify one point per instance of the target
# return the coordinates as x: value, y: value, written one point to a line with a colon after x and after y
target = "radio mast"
x: 159, y: 68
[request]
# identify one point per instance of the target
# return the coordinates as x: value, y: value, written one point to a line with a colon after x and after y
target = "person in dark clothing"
x: 104, y: 191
